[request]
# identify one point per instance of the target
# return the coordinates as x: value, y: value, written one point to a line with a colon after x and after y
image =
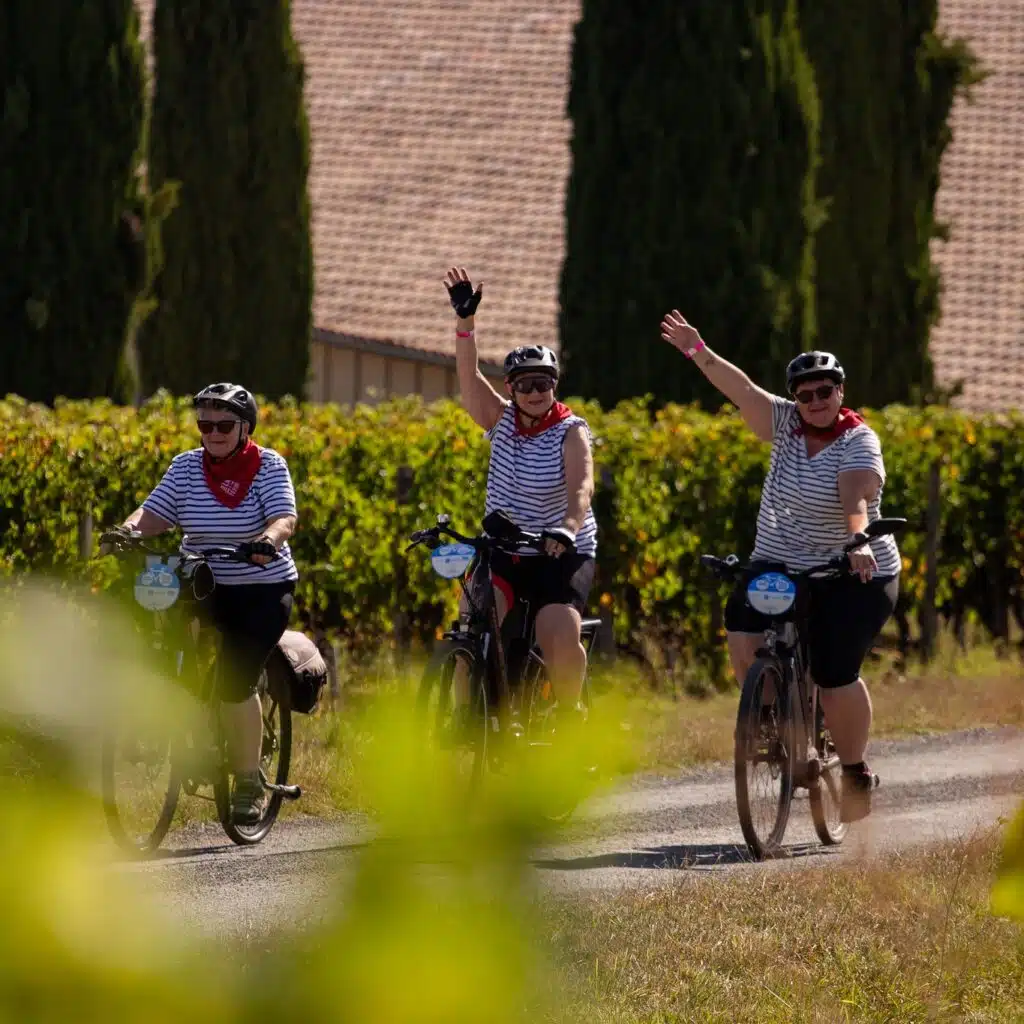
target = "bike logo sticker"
x: 156, y: 587
x: 452, y: 560
x: 771, y: 593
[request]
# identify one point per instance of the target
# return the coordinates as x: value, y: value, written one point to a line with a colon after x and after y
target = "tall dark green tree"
x: 694, y: 151
x: 229, y: 126
x: 72, y: 216
x: 887, y: 82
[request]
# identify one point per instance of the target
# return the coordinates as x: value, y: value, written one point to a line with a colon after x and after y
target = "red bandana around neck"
x: 229, y: 479
x: 846, y: 420
x: 555, y: 414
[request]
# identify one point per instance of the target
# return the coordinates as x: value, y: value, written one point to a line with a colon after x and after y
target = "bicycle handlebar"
x: 732, y: 568
x: 522, y: 540
x: 217, y: 553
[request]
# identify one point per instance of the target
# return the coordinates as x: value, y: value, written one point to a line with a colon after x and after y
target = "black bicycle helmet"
x: 231, y: 397
x: 531, y: 357
x: 812, y: 365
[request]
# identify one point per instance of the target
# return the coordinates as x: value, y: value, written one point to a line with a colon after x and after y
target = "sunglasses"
x: 808, y: 396
x: 527, y: 385
x: 221, y: 426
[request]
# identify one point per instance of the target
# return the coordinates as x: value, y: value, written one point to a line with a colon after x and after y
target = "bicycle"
x: 510, y: 704
x: 194, y: 755
x: 792, y: 741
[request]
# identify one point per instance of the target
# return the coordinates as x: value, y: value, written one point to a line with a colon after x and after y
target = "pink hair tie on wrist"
x: 463, y: 334
x: 690, y: 353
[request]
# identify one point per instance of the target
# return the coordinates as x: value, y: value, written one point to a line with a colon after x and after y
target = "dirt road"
x: 647, y: 832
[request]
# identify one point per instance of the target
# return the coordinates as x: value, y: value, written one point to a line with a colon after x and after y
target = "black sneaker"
x: 247, y: 799
x: 856, y: 794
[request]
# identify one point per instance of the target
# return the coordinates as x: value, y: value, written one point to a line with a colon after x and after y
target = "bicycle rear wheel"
x: 453, y: 709
x: 275, y: 761
x: 764, y: 759
x: 141, y: 782
x: 825, y: 794
x: 541, y: 734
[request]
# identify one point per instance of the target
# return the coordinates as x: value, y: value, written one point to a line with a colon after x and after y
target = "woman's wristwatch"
x: 691, y: 352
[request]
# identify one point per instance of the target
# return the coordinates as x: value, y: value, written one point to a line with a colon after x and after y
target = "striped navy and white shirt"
x: 183, y: 498
x: 801, y: 520
x: 526, y: 478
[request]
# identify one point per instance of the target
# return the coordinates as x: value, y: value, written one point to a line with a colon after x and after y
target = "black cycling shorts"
x: 845, y: 619
x: 250, y: 618
x: 541, y: 579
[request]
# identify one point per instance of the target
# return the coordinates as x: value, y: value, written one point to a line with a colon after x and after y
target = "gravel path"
x: 647, y: 832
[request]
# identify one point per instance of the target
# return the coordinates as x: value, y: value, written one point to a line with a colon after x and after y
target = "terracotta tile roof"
x: 440, y: 136
x: 981, y: 334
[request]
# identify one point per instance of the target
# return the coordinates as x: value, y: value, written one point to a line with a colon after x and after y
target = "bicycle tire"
x: 538, y: 705
x: 764, y: 835
x: 435, y: 704
x: 148, y: 841
x: 250, y: 835
x: 825, y: 793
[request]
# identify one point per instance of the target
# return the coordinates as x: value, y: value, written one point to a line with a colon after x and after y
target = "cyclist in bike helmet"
x: 824, y: 485
x: 230, y: 491
x: 541, y: 474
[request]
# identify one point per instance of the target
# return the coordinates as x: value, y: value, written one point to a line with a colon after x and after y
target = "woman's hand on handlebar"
x: 260, y: 552
x: 558, y: 541
x: 118, y: 538
x: 862, y: 562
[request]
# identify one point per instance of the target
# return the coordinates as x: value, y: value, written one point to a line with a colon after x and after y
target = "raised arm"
x: 754, y: 403
x: 479, y: 399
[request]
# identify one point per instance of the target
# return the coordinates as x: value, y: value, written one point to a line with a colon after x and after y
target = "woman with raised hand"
x: 824, y: 485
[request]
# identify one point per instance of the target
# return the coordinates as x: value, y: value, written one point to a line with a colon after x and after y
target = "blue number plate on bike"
x: 157, y: 587
x: 451, y: 560
x: 771, y: 593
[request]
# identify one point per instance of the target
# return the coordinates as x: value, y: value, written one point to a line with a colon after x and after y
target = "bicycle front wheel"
x: 275, y: 761
x: 141, y: 781
x: 453, y: 709
x: 764, y: 757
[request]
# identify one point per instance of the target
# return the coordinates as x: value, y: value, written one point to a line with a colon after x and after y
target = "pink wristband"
x: 463, y: 334
x: 696, y: 348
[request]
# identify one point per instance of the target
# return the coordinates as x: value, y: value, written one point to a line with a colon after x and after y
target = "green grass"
x: 905, y: 941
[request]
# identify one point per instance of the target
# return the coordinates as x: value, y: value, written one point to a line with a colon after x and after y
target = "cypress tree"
x: 229, y: 126
x: 887, y: 82
x: 72, y: 214
x: 694, y: 153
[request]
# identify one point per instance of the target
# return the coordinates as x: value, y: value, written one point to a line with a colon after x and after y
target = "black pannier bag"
x: 297, y: 664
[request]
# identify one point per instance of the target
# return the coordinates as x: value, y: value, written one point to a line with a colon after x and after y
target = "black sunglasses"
x: 221, y: 426
x: 821, y: 393
x: 526, y: 385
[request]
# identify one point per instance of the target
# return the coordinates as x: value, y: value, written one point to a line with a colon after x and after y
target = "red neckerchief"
x: 229, y: 480
x: 846, y: 420
x: 555, y: 414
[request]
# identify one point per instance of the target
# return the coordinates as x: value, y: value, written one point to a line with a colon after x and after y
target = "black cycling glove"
x: 118, y: 536
x: 257, y: 547
x: 464, y: 299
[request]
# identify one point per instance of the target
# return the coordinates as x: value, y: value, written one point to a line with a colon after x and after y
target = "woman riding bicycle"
x: 824, y: 485
x: 230, y: 491
x: 541, y: 474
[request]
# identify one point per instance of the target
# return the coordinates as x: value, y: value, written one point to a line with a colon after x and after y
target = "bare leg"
x: 742, y: 654
x: 558, y: 634
x: 848, y: 714
x: 243, y: 725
